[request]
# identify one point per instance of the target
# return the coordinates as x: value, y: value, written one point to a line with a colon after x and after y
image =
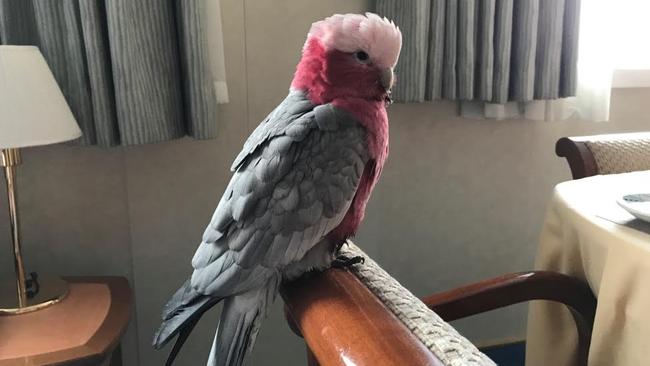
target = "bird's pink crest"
x: 377, y: 36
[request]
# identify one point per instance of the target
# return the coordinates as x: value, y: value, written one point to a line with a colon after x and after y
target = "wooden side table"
x: 84, y: 329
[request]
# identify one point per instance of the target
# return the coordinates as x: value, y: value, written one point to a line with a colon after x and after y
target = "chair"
x: 363, y: 316
x: 605, y: 154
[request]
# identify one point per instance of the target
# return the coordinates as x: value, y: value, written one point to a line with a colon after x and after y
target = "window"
x: 631, y: 43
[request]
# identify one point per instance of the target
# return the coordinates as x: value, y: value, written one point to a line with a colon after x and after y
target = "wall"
x: 459, y: 200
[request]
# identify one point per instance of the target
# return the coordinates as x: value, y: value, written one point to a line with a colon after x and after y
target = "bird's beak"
x: 387, y: 78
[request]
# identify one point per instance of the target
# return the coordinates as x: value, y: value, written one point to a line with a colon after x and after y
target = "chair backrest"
x: 605, y: 154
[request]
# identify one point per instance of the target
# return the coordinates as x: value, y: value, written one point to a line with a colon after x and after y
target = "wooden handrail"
x: 344, y: 323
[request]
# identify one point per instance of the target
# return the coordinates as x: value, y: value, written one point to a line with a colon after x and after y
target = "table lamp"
x: 33, y: 112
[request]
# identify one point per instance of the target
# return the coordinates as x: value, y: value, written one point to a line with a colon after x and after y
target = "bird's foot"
x: 344, y: 262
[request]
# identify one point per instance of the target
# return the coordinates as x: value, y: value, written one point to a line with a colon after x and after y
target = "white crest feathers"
x: 377, y: 36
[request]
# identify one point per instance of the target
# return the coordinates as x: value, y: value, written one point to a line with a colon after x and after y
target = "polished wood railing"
x: 343, y: 323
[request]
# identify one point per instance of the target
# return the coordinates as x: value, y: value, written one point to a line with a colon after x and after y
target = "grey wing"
x: 291, y: 110
x: 285, y: 196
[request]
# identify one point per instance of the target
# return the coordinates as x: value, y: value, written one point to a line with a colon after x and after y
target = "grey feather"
x: 293, y: 182
x: 276, y: 123
x: 184, y: 308
x: 240, y: 323
x: 323, y: 113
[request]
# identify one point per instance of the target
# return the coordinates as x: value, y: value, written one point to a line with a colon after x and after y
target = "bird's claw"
x: 344, y: 262
x: 341, y: 244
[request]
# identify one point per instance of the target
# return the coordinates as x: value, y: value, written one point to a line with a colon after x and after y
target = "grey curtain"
x: 133, y: 72
x: 485, y: 50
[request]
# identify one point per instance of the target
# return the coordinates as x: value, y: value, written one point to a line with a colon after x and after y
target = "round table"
x: 587, y: 235
x: 83, y: 329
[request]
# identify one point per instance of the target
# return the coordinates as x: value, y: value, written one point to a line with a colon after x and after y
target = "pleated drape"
x: 485, y: 50
x: 133, y: 72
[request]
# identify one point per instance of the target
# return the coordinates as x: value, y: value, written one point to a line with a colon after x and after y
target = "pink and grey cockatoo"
x: 299, y: 188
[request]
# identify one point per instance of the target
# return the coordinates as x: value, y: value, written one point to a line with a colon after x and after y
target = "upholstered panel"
x: 621, y: 155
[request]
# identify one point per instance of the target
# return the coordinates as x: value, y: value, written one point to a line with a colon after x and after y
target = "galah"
x: 299, y: 188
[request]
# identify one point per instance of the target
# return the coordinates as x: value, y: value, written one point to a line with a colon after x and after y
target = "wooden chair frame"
x: 581, y: 161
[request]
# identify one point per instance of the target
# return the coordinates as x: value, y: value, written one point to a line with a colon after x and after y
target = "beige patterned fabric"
x: 441, y: 338
x: 621, y: 154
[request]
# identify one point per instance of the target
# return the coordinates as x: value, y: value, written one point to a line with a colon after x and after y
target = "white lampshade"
x: 33, y: 110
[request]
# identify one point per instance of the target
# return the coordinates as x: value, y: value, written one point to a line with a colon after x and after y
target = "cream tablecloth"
x: 613, y: 258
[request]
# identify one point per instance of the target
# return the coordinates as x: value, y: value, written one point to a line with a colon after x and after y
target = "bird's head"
x: 349, y: 56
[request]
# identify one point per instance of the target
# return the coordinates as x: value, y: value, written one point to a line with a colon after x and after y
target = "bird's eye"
x: 362, y: 57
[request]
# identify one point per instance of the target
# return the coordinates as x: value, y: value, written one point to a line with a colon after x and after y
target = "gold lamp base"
x: 24, y: 295
x: 50, y: 290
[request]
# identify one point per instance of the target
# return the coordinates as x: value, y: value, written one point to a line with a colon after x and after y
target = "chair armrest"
x: 344, y: 323
x: 364, y: 316
x: 520, y: 287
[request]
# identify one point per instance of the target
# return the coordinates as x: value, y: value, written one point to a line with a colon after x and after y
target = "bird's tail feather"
x: 180, y: 341
x: 240, y: 322
x: 180, y: 315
